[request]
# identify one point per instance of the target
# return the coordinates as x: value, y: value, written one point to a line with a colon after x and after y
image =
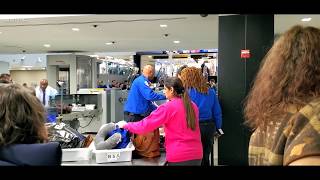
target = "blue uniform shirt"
x: 140, y: 97
x: 208, y: 104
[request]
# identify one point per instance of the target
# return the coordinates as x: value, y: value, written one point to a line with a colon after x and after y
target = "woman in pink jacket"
x: 180, y: 118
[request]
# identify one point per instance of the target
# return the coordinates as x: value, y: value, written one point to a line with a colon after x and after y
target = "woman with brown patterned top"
x: 283, y: 107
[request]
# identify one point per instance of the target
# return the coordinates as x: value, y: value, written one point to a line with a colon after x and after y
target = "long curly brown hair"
x: 289, y: 76
x: 192, y: 78
x: 22, y: 116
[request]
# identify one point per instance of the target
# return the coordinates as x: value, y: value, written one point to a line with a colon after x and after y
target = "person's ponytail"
x: 190, y: 114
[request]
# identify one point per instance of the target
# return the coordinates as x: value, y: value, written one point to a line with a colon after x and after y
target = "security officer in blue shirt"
x: 139, y: 105
x: 139, y: 102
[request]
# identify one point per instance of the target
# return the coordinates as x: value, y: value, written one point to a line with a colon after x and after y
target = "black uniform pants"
x: 207, y: 130
x: 129, y: 117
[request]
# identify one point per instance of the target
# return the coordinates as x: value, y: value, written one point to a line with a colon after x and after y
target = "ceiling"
x: 130, y: 33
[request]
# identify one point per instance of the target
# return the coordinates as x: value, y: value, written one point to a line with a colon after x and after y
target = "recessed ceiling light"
x: 75, y: 29
x: 110, y: 43
x: 47, y: 45
x: 306, y: 19
x: 0, y: 32
x: 163, y: 25
x: 176, y: 42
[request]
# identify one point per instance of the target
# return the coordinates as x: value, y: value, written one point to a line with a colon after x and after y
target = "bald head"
x: 148, y: 71
x: 43, y: 84
x: 5, y: 78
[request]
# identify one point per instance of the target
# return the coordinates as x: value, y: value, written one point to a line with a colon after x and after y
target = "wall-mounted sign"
x: 245, y: 53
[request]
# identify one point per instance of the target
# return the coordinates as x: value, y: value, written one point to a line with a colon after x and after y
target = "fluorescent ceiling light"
x: 34, y: 16
x: 176, y: 42
x: 47, y: 45
x: 75, y: 29
x: 306, y: 19
x: 163, y: 25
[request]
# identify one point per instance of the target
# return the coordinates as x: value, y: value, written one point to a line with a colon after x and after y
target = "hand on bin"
x: 120, y: 124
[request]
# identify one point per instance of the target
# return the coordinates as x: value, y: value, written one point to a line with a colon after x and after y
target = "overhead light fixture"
x: 110, y: 43
x: 47, y: 45
x: 0, y: 32
x: 177, y: 42
x: 75, y: 29
x: 163, y: 25
x: 306, y: 19
x: 94, y: 55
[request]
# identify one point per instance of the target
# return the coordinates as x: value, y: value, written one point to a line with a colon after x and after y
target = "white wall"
x: 19, y: 60
x: 31, y: 77
x: 4, y: 67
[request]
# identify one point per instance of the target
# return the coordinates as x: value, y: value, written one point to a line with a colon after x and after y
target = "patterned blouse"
x: 295, y: 137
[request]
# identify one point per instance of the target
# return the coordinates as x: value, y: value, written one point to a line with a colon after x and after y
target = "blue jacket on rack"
x: 208, y: 104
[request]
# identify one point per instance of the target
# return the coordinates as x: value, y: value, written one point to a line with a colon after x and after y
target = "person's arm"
x: 307, y: 161
x: 150, y: 123
x: 148, y: 93
x: 216, y: 111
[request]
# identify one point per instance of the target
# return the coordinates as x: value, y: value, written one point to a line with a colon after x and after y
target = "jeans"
x: 207, y: 130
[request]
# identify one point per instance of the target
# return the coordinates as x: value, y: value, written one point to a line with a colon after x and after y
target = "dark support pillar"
x: 235, y: 75
x: 137, y: 61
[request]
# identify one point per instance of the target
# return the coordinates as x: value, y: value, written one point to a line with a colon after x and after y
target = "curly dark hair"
x: 22, y: 116
x: 289, y: 77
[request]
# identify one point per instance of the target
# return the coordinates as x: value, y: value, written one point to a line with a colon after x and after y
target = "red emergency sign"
x: 245, y: 53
